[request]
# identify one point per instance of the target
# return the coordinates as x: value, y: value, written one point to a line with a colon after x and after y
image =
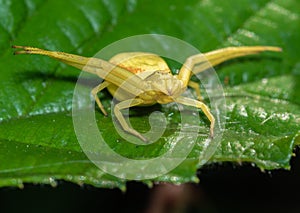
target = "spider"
x: 145, y: 78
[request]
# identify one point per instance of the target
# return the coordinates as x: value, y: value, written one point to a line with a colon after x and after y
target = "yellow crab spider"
x: 145, y: 78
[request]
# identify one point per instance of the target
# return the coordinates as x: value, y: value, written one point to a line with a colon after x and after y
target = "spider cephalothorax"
x: 139, y: 79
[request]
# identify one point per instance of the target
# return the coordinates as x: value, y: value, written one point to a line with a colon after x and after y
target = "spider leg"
x: 201, y: 62
x: 194, y: 85
x: 95, y: 91
x: 199, y: 105
x: 123, y: 105
x: 104, y: 69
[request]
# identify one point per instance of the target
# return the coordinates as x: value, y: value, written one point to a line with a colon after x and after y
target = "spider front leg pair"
x: 139, y: 102
x: 182, y: 100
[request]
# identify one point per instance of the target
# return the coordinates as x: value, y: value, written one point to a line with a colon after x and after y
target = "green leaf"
x: 262, y: 123
x: 37, y: 139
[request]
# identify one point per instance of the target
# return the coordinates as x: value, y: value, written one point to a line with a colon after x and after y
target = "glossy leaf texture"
x: 37, y: 139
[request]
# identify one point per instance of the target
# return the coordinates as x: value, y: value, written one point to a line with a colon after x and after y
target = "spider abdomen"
x: 161, y: 84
